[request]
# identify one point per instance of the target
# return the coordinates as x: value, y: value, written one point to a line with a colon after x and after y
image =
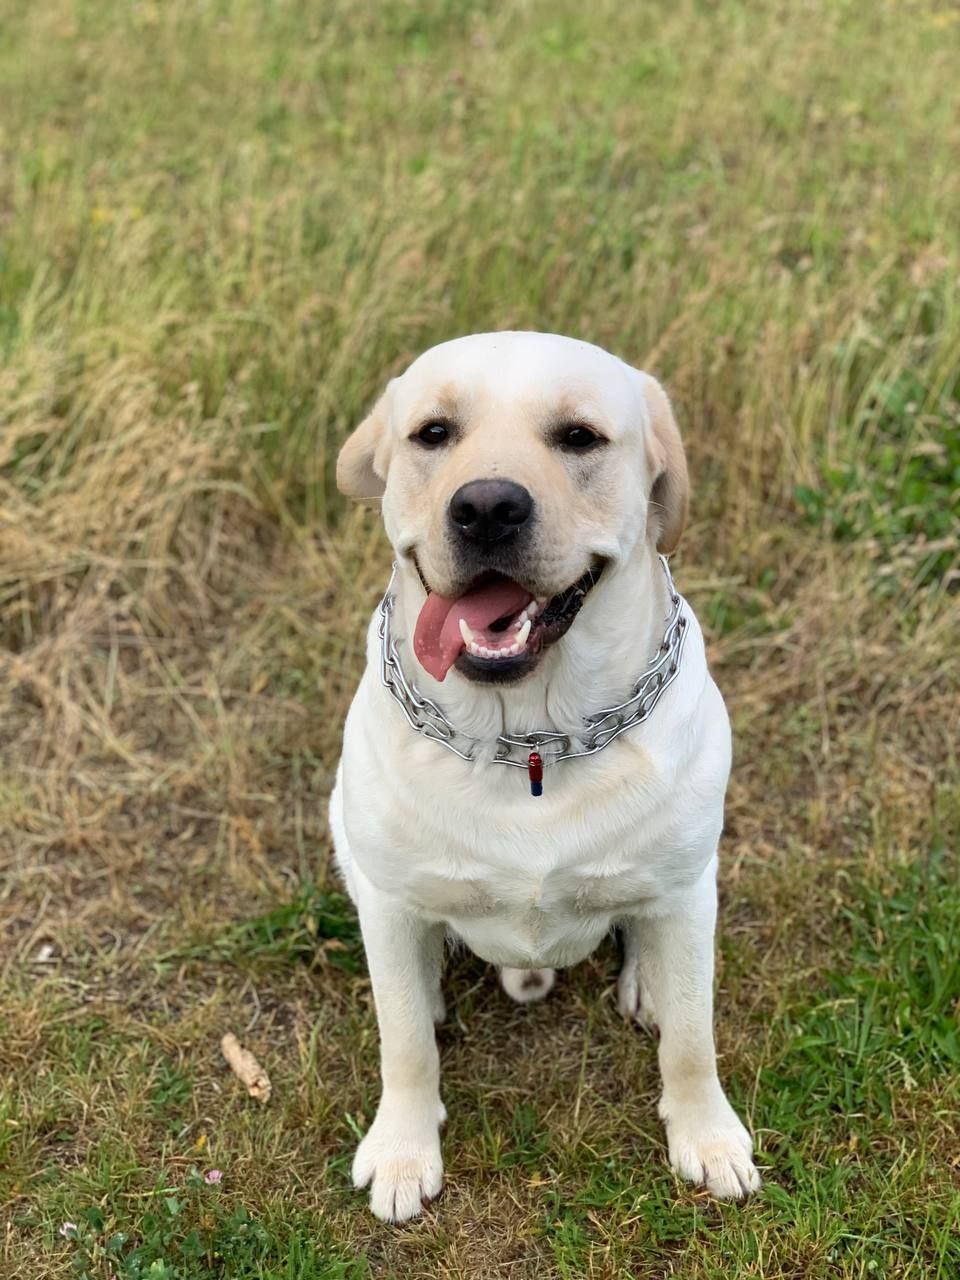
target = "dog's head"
x: 514, y: 468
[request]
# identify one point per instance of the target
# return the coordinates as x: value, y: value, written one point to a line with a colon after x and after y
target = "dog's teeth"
x: 507, y: 651
x: 466, y: 633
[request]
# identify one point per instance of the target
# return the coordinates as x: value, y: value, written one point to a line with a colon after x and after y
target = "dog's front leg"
x: 400, y: 1155
x: 705, y: 1139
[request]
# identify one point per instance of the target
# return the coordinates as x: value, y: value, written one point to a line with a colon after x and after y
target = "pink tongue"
x: 437, y: 641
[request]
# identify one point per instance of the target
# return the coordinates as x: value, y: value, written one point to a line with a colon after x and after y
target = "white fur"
x: 427, y: 843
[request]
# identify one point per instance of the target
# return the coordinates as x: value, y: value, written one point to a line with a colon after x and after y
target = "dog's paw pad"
x: 527, y: 985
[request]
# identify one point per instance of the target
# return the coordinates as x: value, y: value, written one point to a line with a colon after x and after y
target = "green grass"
x: 186, y: 1231
x: 222, y: 228
x: 849, y: 1079
x: 898, y: 491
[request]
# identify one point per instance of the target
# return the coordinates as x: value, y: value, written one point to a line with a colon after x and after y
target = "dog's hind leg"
x: 527, y: 985
x: 634, y: 1000
x: 438, y: 948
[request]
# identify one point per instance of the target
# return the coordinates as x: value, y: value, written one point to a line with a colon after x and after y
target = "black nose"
x: 487, y: 511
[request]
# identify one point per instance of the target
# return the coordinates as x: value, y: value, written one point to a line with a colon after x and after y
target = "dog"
x: 536, y: 754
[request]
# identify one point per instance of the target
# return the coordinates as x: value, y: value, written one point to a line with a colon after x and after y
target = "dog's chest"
x: 534, y: 914
x: 562, y: 891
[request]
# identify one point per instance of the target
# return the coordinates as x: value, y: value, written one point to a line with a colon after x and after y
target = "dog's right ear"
x: 362, y: 464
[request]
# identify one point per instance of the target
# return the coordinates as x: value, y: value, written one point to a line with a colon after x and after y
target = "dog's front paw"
x: 400, y: 1160
x: 708, y: 1145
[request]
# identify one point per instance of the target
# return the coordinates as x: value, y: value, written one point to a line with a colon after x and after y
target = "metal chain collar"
x: 599, y: 729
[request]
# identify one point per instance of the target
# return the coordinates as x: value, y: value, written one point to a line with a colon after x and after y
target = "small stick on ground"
x: 246, y: 1068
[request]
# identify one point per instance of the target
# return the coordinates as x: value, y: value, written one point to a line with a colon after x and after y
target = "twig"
x: 246, y: 1068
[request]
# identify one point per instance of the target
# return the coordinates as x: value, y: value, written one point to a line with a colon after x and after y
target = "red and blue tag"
x: 535, y: 771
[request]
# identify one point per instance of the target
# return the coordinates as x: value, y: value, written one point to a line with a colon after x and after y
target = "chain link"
x: 599, y: 729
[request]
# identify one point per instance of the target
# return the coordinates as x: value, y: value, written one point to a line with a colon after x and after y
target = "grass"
x: 222, y: 227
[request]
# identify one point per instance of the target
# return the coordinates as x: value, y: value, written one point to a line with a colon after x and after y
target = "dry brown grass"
x: 183, y: 598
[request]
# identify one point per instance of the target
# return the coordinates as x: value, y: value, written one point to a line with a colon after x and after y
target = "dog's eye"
x: 577, y: 437
x: 433, y: 433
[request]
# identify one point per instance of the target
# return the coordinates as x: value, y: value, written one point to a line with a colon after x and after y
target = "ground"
x: 222, y: 227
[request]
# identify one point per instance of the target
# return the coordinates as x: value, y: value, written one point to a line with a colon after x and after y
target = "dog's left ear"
x: 669, y: 496
x: 363, y: 460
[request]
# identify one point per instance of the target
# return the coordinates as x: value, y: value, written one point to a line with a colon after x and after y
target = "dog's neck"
x: 612, y: 639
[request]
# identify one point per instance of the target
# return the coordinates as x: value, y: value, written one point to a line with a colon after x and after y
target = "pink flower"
x: 68, y: 1230
x: 213, y: 1175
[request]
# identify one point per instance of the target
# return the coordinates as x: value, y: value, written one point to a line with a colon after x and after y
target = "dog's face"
x: 514, y: 468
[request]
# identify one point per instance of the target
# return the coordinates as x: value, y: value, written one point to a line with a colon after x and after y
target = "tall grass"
x: 223, y: 226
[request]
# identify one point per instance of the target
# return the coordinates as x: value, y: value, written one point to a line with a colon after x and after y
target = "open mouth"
x: 496, y: 629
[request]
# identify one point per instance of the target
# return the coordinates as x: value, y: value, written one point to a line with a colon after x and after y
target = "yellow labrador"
x: 550, y: 753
